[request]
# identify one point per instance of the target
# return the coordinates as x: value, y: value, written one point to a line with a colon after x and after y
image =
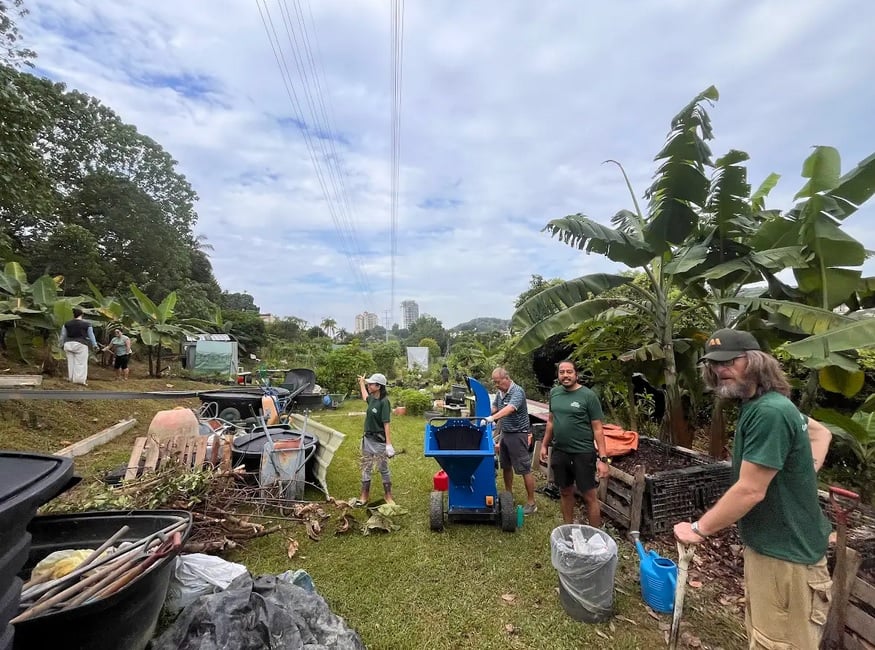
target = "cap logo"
x: 714, y: 342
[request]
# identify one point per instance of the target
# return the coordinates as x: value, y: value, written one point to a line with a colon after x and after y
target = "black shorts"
x: 569, y: 469
x: 121, y: 361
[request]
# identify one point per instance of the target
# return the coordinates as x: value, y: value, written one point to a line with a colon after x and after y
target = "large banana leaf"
x: 758, y: 198
x: 44, y: 291
x: 562, y: 296
x: 560, y: 322
x: 13, y: 280
x: 838, y: 380
x: 775, y: 259
x: 4, y: 317
x: 582, y: 233
x: 822, y: 169
x: 805, y: 318
x: 148, y: 307
x: 848, y: 336
x: 855, y: 188
x: 165, y: 309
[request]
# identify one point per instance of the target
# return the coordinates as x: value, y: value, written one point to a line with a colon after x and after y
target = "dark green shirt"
x: 573, y: 414
x: 379, y: 412
x: 788, y: 523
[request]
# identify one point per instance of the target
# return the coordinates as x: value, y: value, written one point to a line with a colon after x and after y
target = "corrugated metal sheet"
x: 192, y: 338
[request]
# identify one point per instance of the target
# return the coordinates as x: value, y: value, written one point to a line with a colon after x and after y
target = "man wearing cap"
x: 377, y: 442
x: 775, y: 457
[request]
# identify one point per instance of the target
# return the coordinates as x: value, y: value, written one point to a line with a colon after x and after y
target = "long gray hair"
x: 763, y: 370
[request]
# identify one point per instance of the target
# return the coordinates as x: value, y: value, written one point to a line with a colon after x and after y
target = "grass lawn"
x: 471, y: 586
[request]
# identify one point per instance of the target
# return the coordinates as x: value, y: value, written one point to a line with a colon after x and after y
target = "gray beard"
x: 733, y: 390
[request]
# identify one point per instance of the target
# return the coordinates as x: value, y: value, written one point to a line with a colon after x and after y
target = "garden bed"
x: 658, y: 485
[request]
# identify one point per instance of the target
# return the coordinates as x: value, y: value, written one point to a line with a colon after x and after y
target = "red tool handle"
x: 842, y: 512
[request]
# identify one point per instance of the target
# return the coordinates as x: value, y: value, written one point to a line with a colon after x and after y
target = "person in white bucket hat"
x: 377, y: 441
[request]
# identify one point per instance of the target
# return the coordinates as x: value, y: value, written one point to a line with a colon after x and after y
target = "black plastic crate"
x: 675, y: 494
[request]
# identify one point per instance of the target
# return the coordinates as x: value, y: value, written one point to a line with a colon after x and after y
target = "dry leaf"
x: 602, y: 634
x: 293, y: 548
x: 508, y: 598
x: 695, y: 584
x: 627, y: 620
x: 314, y: 530
x: 652, y: 614
x: 664, y: 626
x: 510, y: 629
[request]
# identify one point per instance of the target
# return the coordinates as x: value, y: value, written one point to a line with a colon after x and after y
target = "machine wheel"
x: 230, y: 414
x: 436, y: 511
x: 507, y: 512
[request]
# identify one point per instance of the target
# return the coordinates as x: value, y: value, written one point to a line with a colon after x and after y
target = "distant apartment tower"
x: 366, y: 321
x: 409, y: 313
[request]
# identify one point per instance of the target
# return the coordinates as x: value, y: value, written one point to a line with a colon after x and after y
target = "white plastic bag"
x: 196, y: 574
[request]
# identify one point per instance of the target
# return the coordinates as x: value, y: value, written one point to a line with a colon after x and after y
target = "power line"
x: 326, y: 162
x: 397, y: 57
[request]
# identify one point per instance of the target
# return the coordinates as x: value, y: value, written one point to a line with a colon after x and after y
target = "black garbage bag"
x: 264, y: 613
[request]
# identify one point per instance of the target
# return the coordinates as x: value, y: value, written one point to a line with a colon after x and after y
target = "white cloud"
x: 509, y: 109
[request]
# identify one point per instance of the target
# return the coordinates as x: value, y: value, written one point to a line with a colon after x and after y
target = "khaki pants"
x: 787, y: 603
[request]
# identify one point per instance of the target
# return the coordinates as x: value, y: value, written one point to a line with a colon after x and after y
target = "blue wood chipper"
x: 465, y: 451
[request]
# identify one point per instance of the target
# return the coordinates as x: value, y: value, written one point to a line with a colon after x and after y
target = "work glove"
x: 390, y: 451
x: 487, y: 420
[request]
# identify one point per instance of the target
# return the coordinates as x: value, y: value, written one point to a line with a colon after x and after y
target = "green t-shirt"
x: 788, y: 523
x: 120, y: 345
x: 379, y: 411
x: 573, y: 414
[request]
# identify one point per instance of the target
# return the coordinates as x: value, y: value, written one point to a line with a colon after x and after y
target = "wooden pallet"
x: 859, y: 619
x: 621, y: 497
x: 150, y: 454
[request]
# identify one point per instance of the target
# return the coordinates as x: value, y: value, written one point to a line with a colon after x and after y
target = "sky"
x: 508, y: 110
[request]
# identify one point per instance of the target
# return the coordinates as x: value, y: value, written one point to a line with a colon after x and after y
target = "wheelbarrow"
x: 464, y: 450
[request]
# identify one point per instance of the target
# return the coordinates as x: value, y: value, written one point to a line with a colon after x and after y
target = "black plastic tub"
x: 124, y: 621
x: 247, y: 449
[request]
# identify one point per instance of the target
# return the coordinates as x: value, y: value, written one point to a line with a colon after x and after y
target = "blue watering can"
x: 658, y: 576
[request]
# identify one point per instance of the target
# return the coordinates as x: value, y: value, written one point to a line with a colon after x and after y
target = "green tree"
x: 154, y: 325
x: 287, y: 329
x: 247, y: 327
x: 329, y: 326
x: 385, y: 356
x: 427, y: 327
x: 342, y: 366
x: 238, y: 302
x: 71, y: 251
x: 434, y: 350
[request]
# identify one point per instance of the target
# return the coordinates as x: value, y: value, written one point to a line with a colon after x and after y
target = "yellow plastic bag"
x: 58, y: 564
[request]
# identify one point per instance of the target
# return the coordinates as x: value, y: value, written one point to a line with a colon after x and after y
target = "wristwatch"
x: 605, y: 459
x: 695, y: 528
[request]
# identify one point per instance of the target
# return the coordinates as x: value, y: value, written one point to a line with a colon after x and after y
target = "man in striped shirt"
x: 510, y: 407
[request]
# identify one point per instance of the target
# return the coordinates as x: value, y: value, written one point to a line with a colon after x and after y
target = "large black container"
x: 27, y: 481
x: 247, y: 449
x: 123, y: 621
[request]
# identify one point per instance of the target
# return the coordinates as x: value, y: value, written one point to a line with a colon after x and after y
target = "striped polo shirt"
x: 518, y: 421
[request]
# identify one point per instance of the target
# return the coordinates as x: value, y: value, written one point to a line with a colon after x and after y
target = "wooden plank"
x: 101, y: 437
x: 215, y: 451
x: 853, y: 642
x: 200, y: 452
x: 603, y: 489
x: 620, y: 491
x: 861, y: 623
x: 9, y: 381
x: 226, y: 452
x: 863, y: 591
x: 136, y: 456
x: 635, y: 509
x: 621, y: 476
x: 153, y: 454
x: 615, y: 515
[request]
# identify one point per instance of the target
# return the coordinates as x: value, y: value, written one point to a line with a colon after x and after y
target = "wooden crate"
x: 622, y: 497
x: 150, y: 454
x: 860, y: 616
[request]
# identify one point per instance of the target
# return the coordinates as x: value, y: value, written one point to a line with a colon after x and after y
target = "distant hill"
x: 482, y: 325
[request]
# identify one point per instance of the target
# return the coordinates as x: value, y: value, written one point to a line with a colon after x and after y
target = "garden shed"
x: 210, y: 354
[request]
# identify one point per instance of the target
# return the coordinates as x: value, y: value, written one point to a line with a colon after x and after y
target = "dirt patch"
x: 656, y: 457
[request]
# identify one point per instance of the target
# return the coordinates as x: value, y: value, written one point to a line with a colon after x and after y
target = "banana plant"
x: 153, y: 324
x: 856, y: 434
x: 35, y: 313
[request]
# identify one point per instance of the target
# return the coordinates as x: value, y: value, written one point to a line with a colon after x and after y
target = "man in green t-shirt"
x: 776, y: 454
x: 574, y: 430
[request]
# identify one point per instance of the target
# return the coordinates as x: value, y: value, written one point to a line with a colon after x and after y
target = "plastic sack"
x: 58, y: 564
x: 265, y: 613
x: 586, y: 573
x: 196, y: 574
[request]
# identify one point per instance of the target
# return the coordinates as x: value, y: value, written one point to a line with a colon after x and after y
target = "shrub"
x: 414, y: 401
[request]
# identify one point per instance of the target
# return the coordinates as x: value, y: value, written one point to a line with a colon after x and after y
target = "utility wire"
x: 397, y: 57
x: 326, y: 160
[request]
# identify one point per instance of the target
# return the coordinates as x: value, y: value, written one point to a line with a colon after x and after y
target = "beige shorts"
x: 787, y: 603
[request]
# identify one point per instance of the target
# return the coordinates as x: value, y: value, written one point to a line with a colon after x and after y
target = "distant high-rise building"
x: 409, y: 313
x: 366, y: 321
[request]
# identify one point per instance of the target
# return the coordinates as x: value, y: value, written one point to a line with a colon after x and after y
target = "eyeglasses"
x: 721, y: 364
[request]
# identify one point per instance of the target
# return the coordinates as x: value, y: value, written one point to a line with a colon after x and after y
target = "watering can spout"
x: 636, y: 537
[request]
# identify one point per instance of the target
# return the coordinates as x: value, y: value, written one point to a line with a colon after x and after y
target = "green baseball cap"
x: 727, y: 344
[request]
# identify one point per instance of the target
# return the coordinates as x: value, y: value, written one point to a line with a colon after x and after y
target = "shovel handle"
x: 842, y: 511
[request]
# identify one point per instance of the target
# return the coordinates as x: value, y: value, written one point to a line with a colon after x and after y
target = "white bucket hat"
x: 376, y: 378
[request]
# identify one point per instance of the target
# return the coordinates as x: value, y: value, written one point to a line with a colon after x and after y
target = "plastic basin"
x: 125, y: 620
x: 248, y: 449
